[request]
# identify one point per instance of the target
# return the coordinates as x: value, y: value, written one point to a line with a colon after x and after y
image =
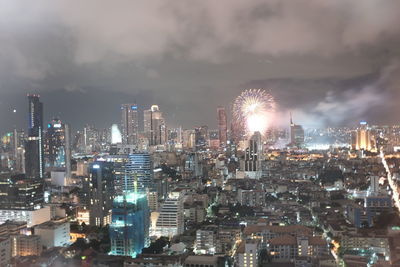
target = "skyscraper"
x: 363, y: 138
x: 130, y: 223
x: 34, y: 159
x: 171, y: 222
x: 55, y: 144
x: 154, y: 126
x: 138, y: 169
x: 296, y: 134
x: 222, y: 126
x: 100, y: 186
x: 201, y: 137
x: 130, y: 124
x: 252, y: 159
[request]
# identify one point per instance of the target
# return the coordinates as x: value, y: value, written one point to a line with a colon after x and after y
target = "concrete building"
x: 252, y: 198
x: 171, y: 221
x: 5, y: 251
x: 247, y: 253
x: 31, y: 217
x: 205, y: 242
x: 26, y: 245
x: 53, y: 234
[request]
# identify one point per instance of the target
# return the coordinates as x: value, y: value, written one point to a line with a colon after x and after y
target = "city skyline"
x: 192, y: 71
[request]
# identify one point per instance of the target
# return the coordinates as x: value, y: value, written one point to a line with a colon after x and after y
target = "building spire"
x: 291, y: 120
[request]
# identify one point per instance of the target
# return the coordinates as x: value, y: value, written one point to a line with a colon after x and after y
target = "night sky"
x: 329, y: 62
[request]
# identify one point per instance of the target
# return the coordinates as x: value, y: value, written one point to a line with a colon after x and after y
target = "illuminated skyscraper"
x: 363, y: 138
x: 222, y: 126
x: 34, y: 159
x: 100, y: 186
x: 252, y: 158
x: 170, y: 222
x: 139, y: 169
x: 130, y: 223
x: 201, y: 137
x: 154, y: 126
x: 130, y: 124
x: 296, y: 134
x: 55, y: 144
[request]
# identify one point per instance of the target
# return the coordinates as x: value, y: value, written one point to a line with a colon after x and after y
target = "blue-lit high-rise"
x: 130, y: 223
x: 139, y: 166
x: 34, y: 160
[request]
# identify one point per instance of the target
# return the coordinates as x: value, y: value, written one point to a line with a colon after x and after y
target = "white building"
x: 247, y: 253
x: 54, y: 234
x: 170, y: 222
x: 205, y: 242
x: 31, y: 217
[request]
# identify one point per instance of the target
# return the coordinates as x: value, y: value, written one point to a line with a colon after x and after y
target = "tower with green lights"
x: 130, y: 219
x: 129, y: 229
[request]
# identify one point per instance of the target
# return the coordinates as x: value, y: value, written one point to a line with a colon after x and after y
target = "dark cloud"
x: 323, y: 59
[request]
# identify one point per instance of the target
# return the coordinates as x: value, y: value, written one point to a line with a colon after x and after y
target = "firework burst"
x: 253, y: 110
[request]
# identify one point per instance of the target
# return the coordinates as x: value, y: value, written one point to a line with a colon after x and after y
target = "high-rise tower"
x: 130, y: 124
x: 154, y: 126
x: 222, y: 126
x: 34, y: 160
x: 296, y: 134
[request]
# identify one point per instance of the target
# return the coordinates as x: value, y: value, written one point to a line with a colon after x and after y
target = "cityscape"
x: 294, y: 160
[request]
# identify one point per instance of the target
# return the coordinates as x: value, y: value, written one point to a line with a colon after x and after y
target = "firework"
x: 253, y: 110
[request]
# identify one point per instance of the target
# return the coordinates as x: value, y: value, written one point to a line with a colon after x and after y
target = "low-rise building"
x: 54, y: 234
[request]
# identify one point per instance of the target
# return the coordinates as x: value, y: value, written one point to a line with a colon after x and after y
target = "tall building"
x: 130, y: 124
x: 130, y: 224
x: 170, y: 222
x: 252, y: 158
x: 363, y: 138
x: 154, y: 126
x: 20, y: 193
x: 222, y: 126
x: 100, y: 192
x: 56, y: 145
x: 139, y: 167
x: 296, y: 134
x: 201, y: 137
x: 34, y: 156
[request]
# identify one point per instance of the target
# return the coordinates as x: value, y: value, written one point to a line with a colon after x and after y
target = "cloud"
x: 208, y: 30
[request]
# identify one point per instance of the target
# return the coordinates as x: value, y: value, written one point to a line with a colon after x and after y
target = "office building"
x: 130, y: 224
x: 201, y: 137
x: 53, y: 233
x: 296, y: 134
x: 34, y: 156
x: 140, y: 167
x: 251, y: 164
x: 57, y: 150
x: 19, y: 192
x: 214, y: 141
x: 26, y: 245
x: 222, y: 126
x: 100, y: 192
x: 170, y: 222
x: 363, y: 138
x: 31, y: 217
x: 130, y: 124
x: 154, y: 126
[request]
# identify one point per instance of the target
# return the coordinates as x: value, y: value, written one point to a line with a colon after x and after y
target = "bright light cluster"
x: 392, y: 183
x: 253, y: 110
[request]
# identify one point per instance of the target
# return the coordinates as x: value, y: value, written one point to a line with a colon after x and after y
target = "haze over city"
x: 321, y: 60
x: 183, y: 133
